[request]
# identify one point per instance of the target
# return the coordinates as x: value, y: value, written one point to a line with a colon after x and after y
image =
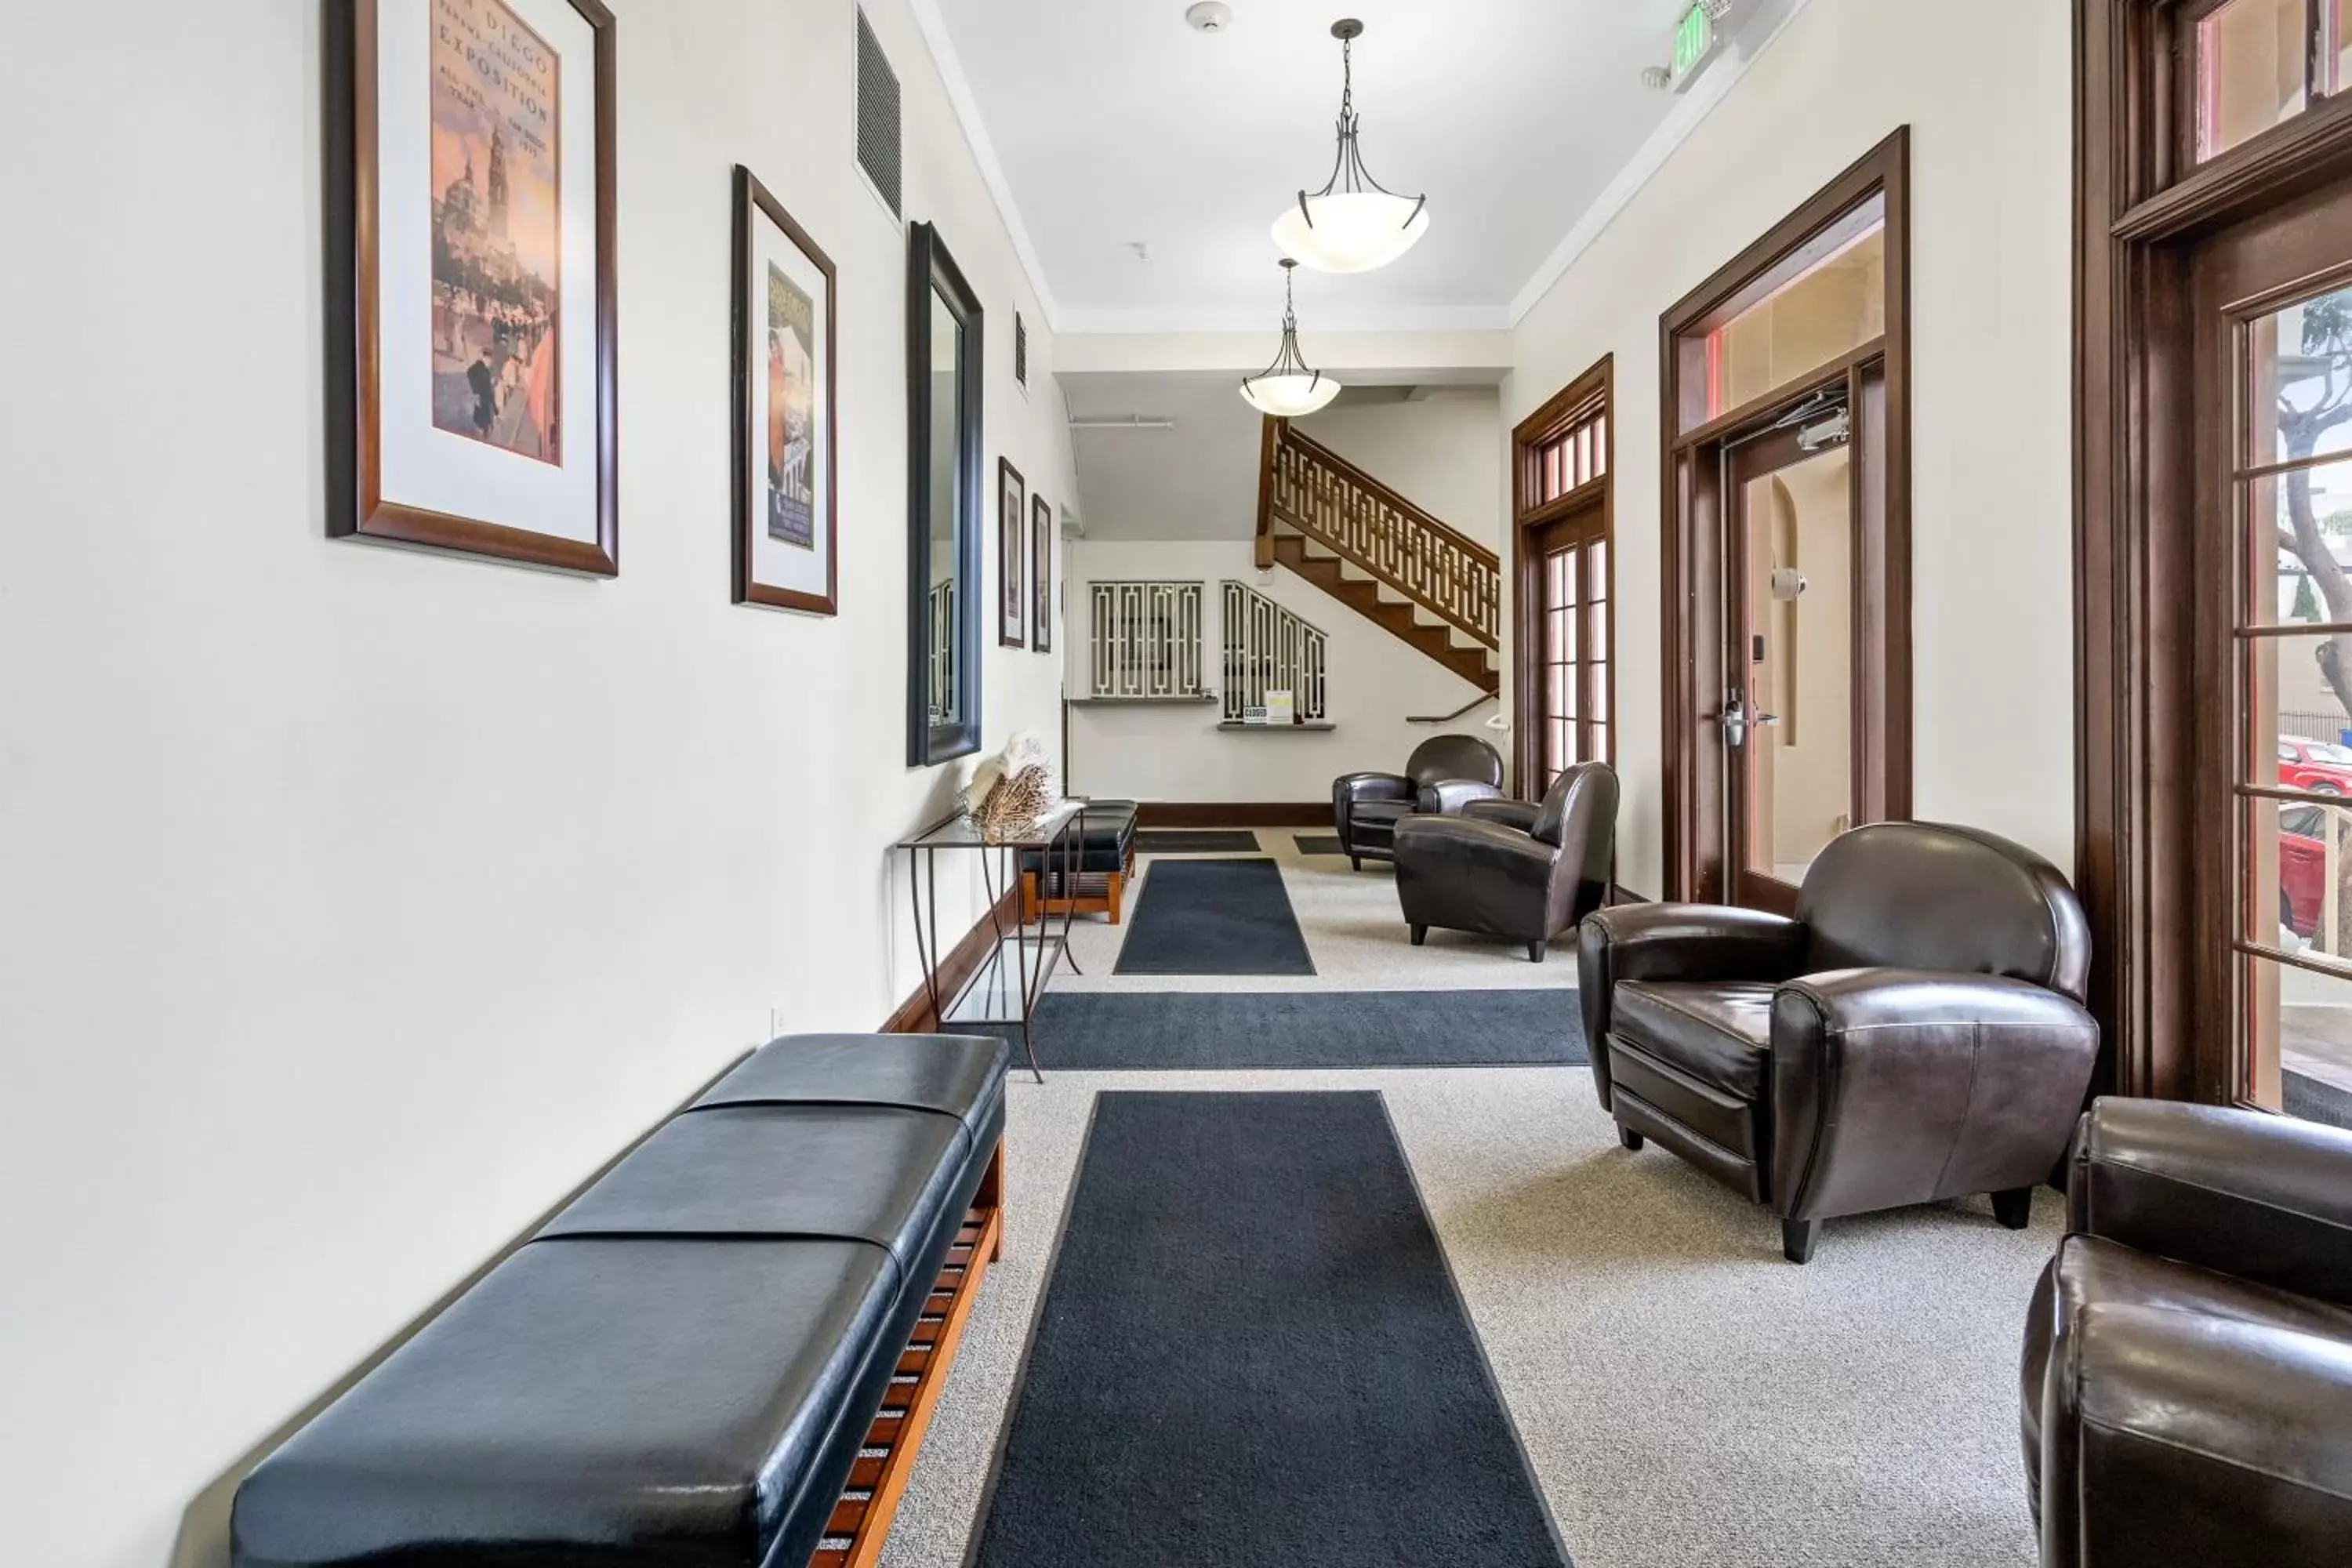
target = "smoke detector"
x: 1208, y: 16
x: 1657, y: 79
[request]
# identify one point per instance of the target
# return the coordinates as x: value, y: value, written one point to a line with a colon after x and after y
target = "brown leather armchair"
x: 2187, y: 1382
x: 1916, y: 1032
x: 1444, y: 773
x: 1508, y: 868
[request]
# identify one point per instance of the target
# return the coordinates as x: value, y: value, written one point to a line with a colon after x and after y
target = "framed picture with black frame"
x: 1012, y: 553
x: 785, y: 441
x: 1041, y: 575
x: 472, y: 389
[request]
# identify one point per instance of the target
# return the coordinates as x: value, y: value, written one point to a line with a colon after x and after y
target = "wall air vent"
x: 878, y: 149
x: 1020, y: 349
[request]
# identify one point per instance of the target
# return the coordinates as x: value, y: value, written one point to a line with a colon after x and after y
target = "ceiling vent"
x: 878, y: 149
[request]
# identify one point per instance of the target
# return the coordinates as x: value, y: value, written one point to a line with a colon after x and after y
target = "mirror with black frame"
x: 943, y: 504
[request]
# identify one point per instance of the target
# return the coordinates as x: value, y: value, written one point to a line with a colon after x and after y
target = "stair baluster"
x: 1307, y: 493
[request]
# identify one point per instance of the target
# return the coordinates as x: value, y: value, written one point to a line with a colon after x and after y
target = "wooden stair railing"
x: 1305, y: 487
x: 1320, y: 498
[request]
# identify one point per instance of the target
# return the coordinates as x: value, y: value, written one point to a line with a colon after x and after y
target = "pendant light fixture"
x: 1353, y: 224
x: 1289, y: 388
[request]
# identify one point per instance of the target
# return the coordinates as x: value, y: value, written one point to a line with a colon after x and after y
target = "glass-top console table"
x: 1005, y: 987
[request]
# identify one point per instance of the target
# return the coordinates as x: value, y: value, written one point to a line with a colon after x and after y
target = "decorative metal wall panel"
x: 1267, y: 649
x: 1146, y: 639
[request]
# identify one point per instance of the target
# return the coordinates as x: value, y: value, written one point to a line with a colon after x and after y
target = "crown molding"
x: 936, y: 38
x: 1685, y: 119
x: 1686, y: 116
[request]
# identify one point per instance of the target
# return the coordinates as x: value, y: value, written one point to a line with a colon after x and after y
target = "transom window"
x: 1566, y: 461
x: 2260, y: 63
x: 1822, y: 301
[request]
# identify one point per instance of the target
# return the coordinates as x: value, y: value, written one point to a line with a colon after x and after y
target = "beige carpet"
x: 1354, y: 934
x: 1686, y: 1396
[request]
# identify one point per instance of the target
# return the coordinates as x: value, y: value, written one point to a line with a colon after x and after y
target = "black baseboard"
x: 1232, y: 814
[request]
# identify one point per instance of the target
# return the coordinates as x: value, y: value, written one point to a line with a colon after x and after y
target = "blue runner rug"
x: 1167, y: 1030
x: 1250, y: 1351
x: 1215, y: 917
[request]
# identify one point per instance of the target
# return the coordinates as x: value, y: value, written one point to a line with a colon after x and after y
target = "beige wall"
x: 356, y: 904
x: 1373, y: 683
x: 1438, y: 450
x: 1986, y: 89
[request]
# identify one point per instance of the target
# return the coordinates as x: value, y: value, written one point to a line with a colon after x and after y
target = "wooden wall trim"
x: 1690, y: 499
x: 1599, y: 496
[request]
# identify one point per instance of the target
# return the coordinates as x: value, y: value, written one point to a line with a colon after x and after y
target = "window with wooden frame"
x: 1564, y: 642
x: 2213, y: 655
x: 2257, y: 64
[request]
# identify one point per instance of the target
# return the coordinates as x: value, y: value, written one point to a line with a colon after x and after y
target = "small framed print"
x: 785, y: 440
x: 1011, y: 551
x: 472, y: 376
x: 1041, y: 575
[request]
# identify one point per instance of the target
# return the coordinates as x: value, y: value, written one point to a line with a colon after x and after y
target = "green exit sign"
x: 1695, y: 45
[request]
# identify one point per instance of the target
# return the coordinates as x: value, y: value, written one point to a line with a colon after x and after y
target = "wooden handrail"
x: 1479, y: 701
x: 1304, y: 486
x: 1294, y: 437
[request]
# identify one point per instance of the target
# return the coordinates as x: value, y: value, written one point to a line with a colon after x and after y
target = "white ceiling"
x: 1111, y: 121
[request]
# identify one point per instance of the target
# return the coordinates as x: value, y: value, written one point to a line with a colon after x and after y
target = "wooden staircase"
x: 1363, y: 596
x: 1428, y: 585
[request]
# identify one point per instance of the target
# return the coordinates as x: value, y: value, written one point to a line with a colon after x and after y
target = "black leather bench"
x: 684, y: 1365
x: 1106, y: 859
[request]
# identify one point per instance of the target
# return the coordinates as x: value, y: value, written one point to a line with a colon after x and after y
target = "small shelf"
x: 1312, y: 727
x: 993, y: 996
x: 1208, y: 697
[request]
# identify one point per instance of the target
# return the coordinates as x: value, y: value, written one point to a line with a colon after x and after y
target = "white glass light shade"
x: 1289, y: 396
x: 1354, y: 231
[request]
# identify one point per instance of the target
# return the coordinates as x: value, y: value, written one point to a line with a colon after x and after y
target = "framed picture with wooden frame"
x: 1011, y: 551
x: 472, y: 400
x: 786, y: 445
x: 1041, y: 575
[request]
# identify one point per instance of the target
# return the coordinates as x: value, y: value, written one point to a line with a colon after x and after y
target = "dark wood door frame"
x: 1596, y: 501
x: 2142, y: 206
x: 1877, y: 377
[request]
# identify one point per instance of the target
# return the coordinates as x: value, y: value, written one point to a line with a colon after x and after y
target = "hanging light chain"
x: 1349, y: 175
x: 1289, y: 359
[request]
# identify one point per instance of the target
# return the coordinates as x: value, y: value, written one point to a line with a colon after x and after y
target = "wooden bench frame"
x: 1107, y: 902
x: 877, y: 1480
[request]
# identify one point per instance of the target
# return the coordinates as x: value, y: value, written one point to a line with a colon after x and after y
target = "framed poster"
x: 472, y: 389
x: 1012, y: 549
x: 1041, y: 575
x: 786, y: 445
